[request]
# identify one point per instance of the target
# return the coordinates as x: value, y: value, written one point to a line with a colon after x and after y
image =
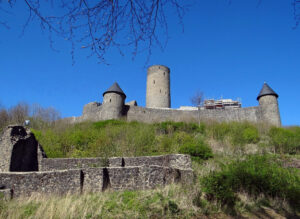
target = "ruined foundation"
x: 24, y: 177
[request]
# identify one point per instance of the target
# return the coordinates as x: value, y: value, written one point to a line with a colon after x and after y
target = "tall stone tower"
x: 269, y: 105
x: 158, y: 87
x: 113, y: 102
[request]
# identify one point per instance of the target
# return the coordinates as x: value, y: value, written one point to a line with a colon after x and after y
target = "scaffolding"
x: 222, y: 104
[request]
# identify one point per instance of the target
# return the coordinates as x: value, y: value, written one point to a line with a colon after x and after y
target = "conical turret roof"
x: 266, y: 90
x: 115, y: 88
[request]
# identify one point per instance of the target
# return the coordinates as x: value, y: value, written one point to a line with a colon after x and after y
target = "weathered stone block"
x: 48, y: 164
x: 18, y: 150
x: 93, y: 180
x: 27, y: 183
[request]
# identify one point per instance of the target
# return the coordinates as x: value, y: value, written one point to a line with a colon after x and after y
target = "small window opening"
x: 153, y: 81
x: 164, y: 73
x: 110, y: 100
x: 159, y: 91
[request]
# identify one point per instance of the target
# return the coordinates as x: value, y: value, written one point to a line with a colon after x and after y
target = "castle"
x: 158, y: 103
x: 25, y: 169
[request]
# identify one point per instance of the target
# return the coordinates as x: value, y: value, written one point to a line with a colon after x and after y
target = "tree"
x: 197, y: 100
x: 99, y: 25
x: 102, y: 24
x: 19, y: 113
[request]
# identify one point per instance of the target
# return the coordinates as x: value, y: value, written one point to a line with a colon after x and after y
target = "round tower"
x: 269, y: 105
x: 158, y: 87
x: 113, y: 102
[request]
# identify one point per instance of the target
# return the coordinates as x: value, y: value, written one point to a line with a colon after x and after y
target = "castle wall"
x: 149, y: 115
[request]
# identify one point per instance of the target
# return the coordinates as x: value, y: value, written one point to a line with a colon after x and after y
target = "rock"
x: 18, y: 150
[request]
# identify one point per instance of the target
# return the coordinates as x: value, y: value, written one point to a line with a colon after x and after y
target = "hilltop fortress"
x: 158, y: 103
x: 26, y: 170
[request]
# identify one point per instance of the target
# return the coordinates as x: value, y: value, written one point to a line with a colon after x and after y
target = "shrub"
x: 251, y: 135
x: 103, y: 124
x: 255, y: 175
x: 219, y: 130
x: 170, y: 127
x: 198, y: 149
x: 238, y: 133
x: 285, y: 140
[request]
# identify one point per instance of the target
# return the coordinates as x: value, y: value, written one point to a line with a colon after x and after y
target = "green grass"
x: 255, y: 175
x: 228, y: 176
x: 117, y: 138
x: 285, y: 140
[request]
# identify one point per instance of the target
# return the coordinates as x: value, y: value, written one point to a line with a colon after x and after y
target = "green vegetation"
x: 197, y: 148
x: 119, y: 138
x: 255, y: 175
x: 285, y: 140
x: 240, y: 168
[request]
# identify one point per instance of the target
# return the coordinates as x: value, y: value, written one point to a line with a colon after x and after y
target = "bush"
x: 238, y: 133
x: 250, y: 135
x: 171, y: 127
x: 198, y: 149
x: 255, y: 175
x: 285, y: 140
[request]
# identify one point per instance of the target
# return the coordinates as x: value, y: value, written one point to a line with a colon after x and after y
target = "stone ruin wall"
x: 139, y: 173
x: 76, y: 175
x: 150, y: 115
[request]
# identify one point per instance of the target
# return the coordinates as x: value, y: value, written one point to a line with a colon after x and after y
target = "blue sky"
x: 226, y: 50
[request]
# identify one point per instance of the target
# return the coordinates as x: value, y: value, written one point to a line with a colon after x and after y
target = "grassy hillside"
x: 241, y: 169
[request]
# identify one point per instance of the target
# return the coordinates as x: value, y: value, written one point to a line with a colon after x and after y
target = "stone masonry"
x: 28, y: 171
x: 158, y: 103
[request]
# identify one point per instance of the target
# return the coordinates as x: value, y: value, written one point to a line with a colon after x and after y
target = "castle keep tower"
x: 269, y: 105
x: 113, y: 102
x: 158, y: 87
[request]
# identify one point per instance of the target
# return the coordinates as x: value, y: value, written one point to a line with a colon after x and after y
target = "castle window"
x: 153, y: 81
x: 159, y: 91
x: 164, y: 73
x: 110, y: 100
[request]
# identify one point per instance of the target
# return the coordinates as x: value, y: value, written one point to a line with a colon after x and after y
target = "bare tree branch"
x: 102, y: 24
x: 197, y: 99
x: 296, y: 8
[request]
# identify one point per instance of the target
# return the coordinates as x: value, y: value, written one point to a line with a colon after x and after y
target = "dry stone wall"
x: 71, y: 163
x: 171, y: 160
x: 22, y: 157
x: 28, y: 183
x: 92, y: 179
